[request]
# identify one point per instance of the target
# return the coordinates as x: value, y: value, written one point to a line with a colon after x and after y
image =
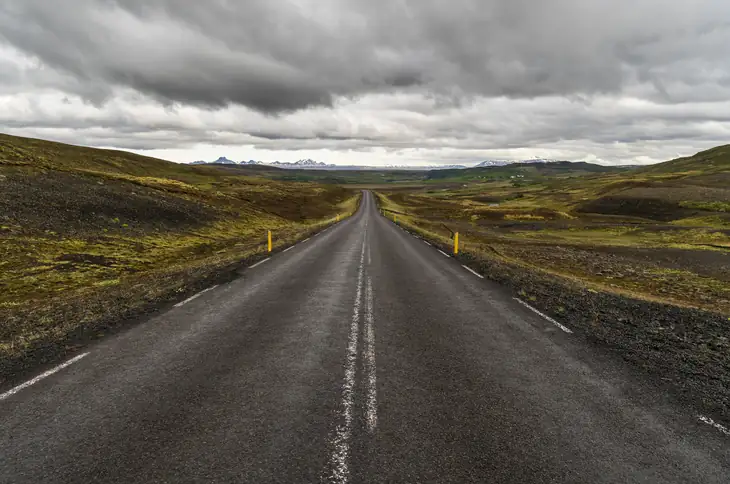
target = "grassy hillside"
x: 526, y: 171
x: 710, y: 162
x: 90, y: 236
x: 660, y: 233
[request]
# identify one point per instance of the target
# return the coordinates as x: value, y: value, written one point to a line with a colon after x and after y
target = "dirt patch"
x: 98, y: 260
x: 649, y: 208
x: 708, y: 263
x: 74, y: 204
x: 680, y: 193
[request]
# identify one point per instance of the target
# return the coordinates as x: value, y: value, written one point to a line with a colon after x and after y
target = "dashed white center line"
x: 287, y: 250
x: 338, y: 469
x: 371, y: 404
x: 306, y: 239
x: 427, y: 242
x: 259, y: 263
x: 564, y: 328
x: 43, y: 375
x: 711, y: 422
x: 182, y: 303
x: 473, y: 271
x: 443, y: 253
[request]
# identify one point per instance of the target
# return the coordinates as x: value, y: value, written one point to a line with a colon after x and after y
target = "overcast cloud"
x: 370, y: 81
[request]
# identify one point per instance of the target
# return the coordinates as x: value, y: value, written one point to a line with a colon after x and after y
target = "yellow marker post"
x: 270, y: 241
x: 395, y: 219
x: 456, y: 243
x: 338, y: 217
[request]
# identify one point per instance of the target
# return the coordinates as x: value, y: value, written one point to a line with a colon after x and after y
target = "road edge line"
x: 43, y: 375
x: 472, y: 271
x: 536, y: 311
x: 259, y: 263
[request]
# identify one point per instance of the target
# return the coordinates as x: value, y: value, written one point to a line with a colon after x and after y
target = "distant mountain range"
x: 303, y: 164
x: 511, y: 162
x: 225, y: 161
x: 310, y: 164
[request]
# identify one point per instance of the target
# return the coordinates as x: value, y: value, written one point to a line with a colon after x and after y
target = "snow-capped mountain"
x: 492, y: 163
x: 224, y: 161
x: 308, y: 163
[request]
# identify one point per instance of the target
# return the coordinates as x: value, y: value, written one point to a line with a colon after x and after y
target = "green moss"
x: 109, y: 282
x: 708, y: 206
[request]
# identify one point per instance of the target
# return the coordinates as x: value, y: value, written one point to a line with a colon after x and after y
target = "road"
x: 360, y: 355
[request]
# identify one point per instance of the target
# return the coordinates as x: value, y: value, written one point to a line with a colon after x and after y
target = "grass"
x: 707, y: 206
x: 90, y: 237
x: 627, y: 232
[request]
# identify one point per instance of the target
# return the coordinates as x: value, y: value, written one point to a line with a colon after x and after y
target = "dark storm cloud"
x: 277, y: 56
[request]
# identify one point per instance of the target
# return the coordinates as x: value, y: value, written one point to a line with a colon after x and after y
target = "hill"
x: 661, y: 232
x: 527, y: 170
x: 713, y: 161
x: 89, y: 237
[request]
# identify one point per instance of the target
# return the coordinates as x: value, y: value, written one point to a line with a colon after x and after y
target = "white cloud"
x: 370, y: 82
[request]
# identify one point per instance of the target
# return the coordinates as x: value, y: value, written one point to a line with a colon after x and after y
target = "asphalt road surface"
x: 360, y: 355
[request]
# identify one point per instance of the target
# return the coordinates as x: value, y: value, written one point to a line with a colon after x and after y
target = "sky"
x: 373, y: 82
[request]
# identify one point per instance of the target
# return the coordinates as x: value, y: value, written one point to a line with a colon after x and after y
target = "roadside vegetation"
x: 637, y: 260
x: 337, y: 177
x: 89, y: 238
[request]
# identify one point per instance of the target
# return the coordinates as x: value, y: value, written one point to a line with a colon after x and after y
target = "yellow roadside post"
x: 456, y: 243
x: 338, y: 217
x: 395, y: 219
x: 269, y: 240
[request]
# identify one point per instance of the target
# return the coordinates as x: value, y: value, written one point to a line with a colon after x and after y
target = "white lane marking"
x: 427, y: 242
x: 472, y: 271
x: 306, y: 239
x: 286, y: 250
x: 444, y: 253
x: 339, y: 470
x: 371, y: 402
x: 259, y: 263
x: 711, y: 422
x: 182, y: 303
x: 567, y: 330
x: 43, y: 375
